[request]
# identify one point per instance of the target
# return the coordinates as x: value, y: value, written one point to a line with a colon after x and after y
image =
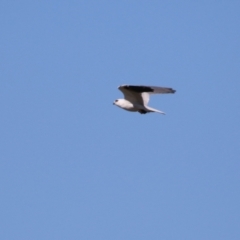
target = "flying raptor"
x: 136, y: 98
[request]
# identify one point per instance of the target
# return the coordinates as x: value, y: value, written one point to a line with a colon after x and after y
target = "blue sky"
x: 73, y: 166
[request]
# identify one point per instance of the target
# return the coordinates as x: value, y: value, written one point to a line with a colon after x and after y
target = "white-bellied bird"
x: 136, y: 98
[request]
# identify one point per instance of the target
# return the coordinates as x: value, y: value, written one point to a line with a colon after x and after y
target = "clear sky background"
x: 73, y: 166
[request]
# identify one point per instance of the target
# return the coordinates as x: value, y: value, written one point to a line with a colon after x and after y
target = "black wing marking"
x: 149, y: 89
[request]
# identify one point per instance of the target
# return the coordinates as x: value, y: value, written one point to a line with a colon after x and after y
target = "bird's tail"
x: 154, y: 110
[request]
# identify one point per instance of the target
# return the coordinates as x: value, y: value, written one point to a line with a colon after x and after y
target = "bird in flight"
x: 136, y: 98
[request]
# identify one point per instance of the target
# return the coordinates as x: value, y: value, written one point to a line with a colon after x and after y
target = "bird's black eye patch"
x: 116, y: 100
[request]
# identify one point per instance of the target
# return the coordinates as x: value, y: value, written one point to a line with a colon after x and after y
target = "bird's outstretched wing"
x: 132, y: 96
x: 140, y: 94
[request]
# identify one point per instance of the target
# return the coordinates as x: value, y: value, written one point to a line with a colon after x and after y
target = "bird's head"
x: 119, y: 102
x: 116, y: 102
